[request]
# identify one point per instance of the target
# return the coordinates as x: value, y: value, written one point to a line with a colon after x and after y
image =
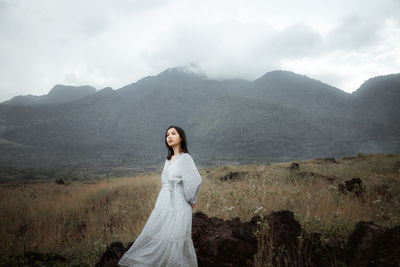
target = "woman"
x: 166, y: 239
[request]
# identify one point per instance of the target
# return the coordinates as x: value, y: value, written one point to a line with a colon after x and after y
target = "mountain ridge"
x: 170, y: 73
x: 58, y: 94
x: 226, y: 121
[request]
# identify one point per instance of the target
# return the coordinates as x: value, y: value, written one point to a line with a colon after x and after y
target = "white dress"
x: 166, y: 238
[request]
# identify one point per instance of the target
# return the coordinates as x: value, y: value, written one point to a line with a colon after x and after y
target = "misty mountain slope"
x: 281, y: 116
x: 291, y: 89
x: 57, y: 126
x: 120, y: 121
x: 232, y: 126
x: 378, y: 100
x: 58, y: 94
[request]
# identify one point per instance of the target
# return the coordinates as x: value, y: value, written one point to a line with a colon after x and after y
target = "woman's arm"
x: 191, y: 179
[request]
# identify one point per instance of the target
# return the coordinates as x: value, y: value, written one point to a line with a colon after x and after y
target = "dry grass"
x: 80, y: 219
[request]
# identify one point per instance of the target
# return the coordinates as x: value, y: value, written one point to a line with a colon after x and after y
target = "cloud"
x: 299, y: 40
x: 354, y: 33
x: 104, y: 43
x: 248, y: 49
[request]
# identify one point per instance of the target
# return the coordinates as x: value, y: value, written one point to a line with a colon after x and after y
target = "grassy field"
x: 79, y: 219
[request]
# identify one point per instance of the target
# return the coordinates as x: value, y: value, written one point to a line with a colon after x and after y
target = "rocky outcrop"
x: 283, y: 232
x: 233, y: 176
x: 60, y: 181
x: 373, y: 245
x: 34, y: 259
x: 353, y: 186
x: 223, y: 243
x: 234, y: 243
x: 112, y: 255
x: 294, y: 166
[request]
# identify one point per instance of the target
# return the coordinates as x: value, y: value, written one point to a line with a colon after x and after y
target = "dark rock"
x: 223, y: 243
x: 313, y: 252
x: 292, y: 247
x: 233, y: 176
x: 373, y: 245
x: 283, y: 232
x: 233, y: 243
x: 60, y: 181
x: 354, y: 186
x: 330, y: 160
x: 389, y: 251
x: 33, y: 259
x: 294, y: 166
x: 112, y: 255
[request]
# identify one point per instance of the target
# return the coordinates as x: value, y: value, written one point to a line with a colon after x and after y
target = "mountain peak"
x: 286, y: 79
x: 379, y: 84
x: 291, y: 88
x: 66, y: 89
x: 282, y: 74
x: 191, y: 70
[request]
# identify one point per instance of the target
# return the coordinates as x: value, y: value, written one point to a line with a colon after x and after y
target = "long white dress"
x: 166, y: 238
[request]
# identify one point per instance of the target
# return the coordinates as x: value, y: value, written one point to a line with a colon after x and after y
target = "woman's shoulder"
x: 186, y: 157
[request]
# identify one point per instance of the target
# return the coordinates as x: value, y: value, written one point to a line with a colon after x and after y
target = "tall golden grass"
x: 78, y: 220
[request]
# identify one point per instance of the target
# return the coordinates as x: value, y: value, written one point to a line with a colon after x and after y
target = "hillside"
x: 98, y: 213
x: 280, y: 116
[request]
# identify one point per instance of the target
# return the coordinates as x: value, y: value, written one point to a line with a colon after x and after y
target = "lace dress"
x: 166, y: 238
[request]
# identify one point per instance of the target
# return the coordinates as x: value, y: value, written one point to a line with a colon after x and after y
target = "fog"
x: 103, y: 43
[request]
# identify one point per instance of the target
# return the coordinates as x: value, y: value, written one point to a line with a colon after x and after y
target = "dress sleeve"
x: 191, y: 179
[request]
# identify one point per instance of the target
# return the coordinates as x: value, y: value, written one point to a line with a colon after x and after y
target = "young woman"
x: 166, y: 239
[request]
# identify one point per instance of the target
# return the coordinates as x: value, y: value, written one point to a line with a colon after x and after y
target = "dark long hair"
x: 183, y: 141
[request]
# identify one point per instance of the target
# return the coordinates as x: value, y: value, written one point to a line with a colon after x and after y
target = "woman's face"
x: 173, y: 137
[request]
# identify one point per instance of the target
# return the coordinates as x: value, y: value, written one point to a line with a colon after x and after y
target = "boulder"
x: 60, y: 181
x: 373, y: 245
x: 353, y: 186
x: 223, y: 243
x: 294, y: 166
x: 233, y: 176
x: 112, y: 255
x: 233, y: 243
x: 283, y: 233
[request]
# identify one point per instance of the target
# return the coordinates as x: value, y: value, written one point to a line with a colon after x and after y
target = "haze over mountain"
x: 280, y: 116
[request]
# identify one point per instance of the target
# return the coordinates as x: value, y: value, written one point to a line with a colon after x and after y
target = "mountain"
x: 376, y: 105
x: 292, y: 89
x: 280, y: 116
x: 378, y: 99
x: 58, y: 94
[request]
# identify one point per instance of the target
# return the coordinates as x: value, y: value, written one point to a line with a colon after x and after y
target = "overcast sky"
x: 114, y: 43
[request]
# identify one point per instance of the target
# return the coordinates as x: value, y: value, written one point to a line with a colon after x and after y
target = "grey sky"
x: 114, y: 43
